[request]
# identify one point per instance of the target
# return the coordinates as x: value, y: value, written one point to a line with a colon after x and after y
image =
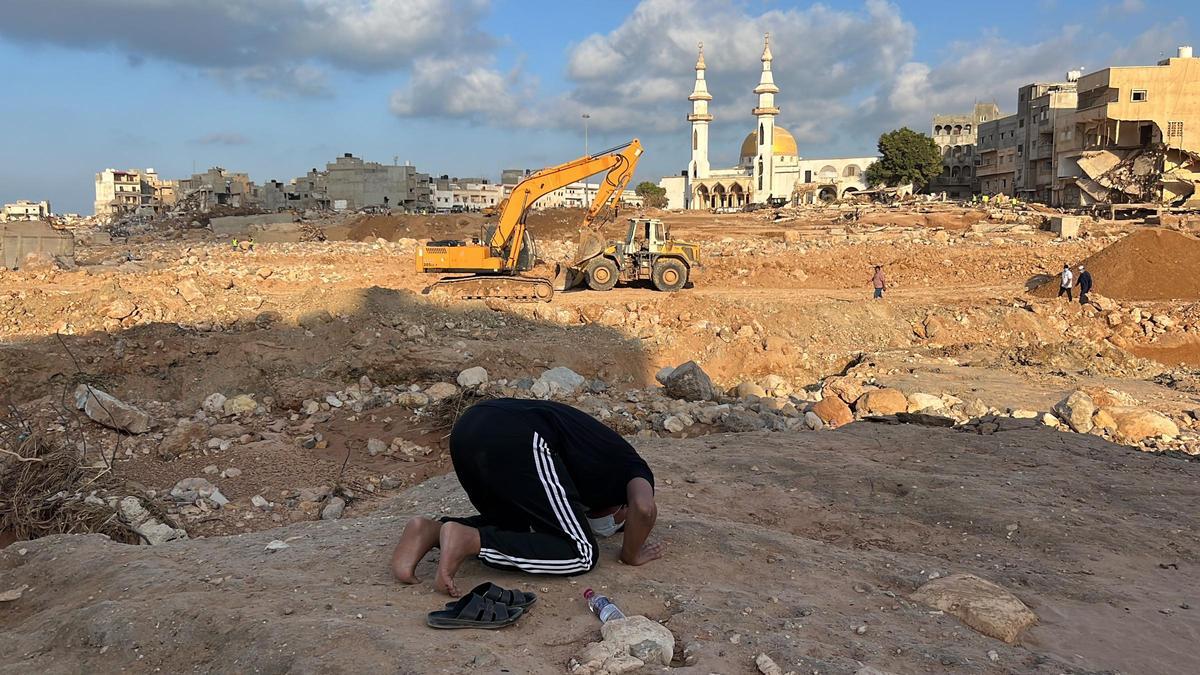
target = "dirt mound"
x: 544, y: 224
x: 1149, y: 264
x: 769, y: 537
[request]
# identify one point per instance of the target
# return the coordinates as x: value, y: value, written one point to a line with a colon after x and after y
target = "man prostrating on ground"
x: 546, y: 479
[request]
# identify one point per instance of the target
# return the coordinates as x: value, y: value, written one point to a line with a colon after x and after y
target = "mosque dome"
x: 784, y: 144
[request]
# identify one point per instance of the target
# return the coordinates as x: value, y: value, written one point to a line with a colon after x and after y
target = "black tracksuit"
x: 534, y: 469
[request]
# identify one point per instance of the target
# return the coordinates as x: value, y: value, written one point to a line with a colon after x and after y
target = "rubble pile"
x: 1147, y: 264
x: 1153, y: 174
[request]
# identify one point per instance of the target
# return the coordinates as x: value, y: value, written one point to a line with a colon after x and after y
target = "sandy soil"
x: 779, y: 544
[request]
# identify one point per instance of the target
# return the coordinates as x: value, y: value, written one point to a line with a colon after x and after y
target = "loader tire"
x: 602, y: 274
x: 670, y: 275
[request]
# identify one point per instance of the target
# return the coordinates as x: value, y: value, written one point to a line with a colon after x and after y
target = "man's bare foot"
x: 420, y: 535
x: 458, y: 542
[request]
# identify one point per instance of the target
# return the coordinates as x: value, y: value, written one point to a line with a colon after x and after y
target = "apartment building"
x: 131, y: 190
x: 996, y: 149
x: 956, y: 136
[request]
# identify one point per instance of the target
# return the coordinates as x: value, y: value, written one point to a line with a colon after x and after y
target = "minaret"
x: 699, y: 119
x: 764, y: 164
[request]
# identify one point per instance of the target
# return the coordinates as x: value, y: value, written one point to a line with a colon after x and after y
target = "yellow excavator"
x: 493, y: 263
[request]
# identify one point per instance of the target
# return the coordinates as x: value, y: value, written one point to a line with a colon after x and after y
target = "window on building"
x: 695, y: 140
x: 1021, y: 122
x: 762, y: 134
x: 1138, y: 95
x: 1174, y: 129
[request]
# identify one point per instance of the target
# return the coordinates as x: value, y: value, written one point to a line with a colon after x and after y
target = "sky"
x: 469, y: 87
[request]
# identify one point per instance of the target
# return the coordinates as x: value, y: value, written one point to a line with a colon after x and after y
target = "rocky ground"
x: 217, y: 396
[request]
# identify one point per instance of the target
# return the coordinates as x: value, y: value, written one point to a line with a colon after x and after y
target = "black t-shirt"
x: 599, y: 461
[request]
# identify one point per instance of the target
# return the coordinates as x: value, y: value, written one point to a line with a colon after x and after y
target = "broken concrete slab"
x: 19, y: 239
x: 108, y: 410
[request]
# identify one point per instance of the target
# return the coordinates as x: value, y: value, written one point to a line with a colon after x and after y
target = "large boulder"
x: 833, y: 411
x: 558, y: 381
x: 1134, y: 425
x: 1076, y: 410
x: 882, y: 402
x: 111, y: 412
x: 981, y: 604
x: 690, y: 383
x: 918, y: 402
x: 846, y: 388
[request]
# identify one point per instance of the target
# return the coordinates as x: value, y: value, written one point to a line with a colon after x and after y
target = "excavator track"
x: 485, y: 287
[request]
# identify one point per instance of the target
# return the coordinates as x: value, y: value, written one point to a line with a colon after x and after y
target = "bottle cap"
x: 588, y: 593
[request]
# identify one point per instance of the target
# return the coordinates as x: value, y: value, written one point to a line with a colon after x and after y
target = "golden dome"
x: 784, y: 144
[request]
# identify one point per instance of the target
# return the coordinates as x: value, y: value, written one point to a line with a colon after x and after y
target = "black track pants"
x: 530, y: 517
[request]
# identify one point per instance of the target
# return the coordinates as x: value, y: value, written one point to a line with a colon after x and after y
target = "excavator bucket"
x: 566, y: 277
x: 591, y: 244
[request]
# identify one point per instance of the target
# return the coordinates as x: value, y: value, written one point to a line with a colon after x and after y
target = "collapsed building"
x: 1126, y: 140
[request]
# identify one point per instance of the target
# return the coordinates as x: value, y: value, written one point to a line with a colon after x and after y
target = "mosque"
x: 769, y: 170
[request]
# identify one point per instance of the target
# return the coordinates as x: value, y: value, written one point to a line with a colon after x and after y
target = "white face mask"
x: 605, y: 526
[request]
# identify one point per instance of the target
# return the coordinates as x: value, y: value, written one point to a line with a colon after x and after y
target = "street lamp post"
x: 587, y: 202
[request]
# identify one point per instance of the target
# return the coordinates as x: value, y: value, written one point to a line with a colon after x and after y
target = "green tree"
x: 652, y: 195
x: 906, y: 156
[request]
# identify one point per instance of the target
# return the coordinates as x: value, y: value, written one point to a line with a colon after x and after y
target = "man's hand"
x: 639, y: 522
x: 647, y: 553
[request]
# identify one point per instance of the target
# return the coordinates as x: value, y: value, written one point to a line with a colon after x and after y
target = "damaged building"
x: 1127, y: 141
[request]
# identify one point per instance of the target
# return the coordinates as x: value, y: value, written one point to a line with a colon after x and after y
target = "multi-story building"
x: 465, y: 194
x: 218, y: 187
x: 23, y: 209
x: 1038, y: 106
x: 996, y: 149
x: 956, y: 136
x: 1121, y: 114
x: 351, y: 183
x: 132, y: 190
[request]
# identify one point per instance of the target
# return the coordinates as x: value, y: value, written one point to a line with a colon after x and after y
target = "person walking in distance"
x: 547, y: 479
x: 879, y: 281
x: 1084, y: 284
x: 1065, y: 283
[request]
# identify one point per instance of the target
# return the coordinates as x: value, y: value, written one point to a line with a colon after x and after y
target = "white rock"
x: 1022, y: 414
x: 334, y: 401
x: 813, y: 421
x: 243, y: 403
x: 441, y: 390
x: 276, y: 545
x: 473, y: 377
x: 214, y: 404
x: 561, y: 380
x: 260, y: 501
x: 106, y: 409
x: 376, y: 446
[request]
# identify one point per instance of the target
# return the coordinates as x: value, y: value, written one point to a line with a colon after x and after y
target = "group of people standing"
x: 1068, y: 283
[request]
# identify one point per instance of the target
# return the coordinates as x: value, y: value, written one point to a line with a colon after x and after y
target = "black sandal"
x: 475, y: 611
x: 514, y: 598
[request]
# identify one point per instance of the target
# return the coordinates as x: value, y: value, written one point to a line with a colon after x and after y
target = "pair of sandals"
x: 487, y: 606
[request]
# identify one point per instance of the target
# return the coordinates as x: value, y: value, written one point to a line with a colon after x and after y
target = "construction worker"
x: 547, y: 480
x: 235, y: 243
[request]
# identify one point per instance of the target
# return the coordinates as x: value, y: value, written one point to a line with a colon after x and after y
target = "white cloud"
x: 457, y: 89
x: 278, y: 46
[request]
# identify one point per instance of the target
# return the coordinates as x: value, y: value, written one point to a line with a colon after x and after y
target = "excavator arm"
x: 620, y: 163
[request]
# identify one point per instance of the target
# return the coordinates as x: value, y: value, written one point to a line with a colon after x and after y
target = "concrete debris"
x: 107, y: 410
x: 690, y: 383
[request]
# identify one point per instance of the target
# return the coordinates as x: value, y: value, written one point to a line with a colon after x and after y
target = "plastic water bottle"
x: 602, y: 607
